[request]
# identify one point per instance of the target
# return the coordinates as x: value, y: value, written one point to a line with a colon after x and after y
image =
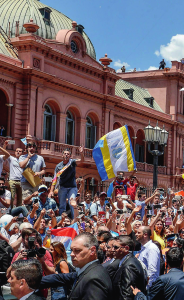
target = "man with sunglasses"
x: 36, y: 163
x: 15, y: 173
x: 126, y: 270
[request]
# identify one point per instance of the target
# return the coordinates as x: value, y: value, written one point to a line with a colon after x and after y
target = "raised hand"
x: 137, y: 209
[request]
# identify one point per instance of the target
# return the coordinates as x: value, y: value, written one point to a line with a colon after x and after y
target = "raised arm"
x: 130, y: 219
x: 5, y: 153
x: 81, y: 150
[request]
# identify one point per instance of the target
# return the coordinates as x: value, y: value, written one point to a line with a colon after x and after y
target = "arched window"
x: 90, y: 133
x: 49, y: 127
x: 70, y: 128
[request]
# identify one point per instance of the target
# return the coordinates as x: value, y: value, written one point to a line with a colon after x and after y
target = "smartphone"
x: 12, y: 142
x: 78, y: 195
x: 20, y: 219
x: 179, y: 212
x: 156, y: 206
x: 82, y: 224
x: 177, y: 197
x: 168, y: 221
x: 81, y: 204
x: 120, y: 211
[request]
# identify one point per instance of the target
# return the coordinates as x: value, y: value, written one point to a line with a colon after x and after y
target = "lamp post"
x: 157, y: 136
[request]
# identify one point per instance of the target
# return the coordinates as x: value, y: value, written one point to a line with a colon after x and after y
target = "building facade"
x: 53, y: 90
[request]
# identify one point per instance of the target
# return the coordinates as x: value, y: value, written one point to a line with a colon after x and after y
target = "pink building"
x: 54, y: 91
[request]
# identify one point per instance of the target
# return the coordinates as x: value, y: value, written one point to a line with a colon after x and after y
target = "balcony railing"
x: 54, y: 148
x: 144, y: 167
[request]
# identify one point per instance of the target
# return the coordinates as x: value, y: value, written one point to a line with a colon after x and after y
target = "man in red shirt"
x: 132, y: 186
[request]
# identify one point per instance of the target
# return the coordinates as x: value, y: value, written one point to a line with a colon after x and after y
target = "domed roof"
x: 22, y: 10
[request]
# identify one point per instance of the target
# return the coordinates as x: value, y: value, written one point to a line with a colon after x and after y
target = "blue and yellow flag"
x: 114, y: 153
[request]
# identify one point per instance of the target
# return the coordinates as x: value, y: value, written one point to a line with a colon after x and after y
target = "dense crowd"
x: 124, y: 246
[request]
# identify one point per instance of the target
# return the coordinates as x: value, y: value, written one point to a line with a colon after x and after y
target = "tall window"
x: 49, y: 127
x: 70, y: 128
x: 90, y: 133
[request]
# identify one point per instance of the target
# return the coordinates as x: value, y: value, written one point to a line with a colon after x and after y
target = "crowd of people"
x: 126, y: 246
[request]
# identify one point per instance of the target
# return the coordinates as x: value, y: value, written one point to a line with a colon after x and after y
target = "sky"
x: 134, y: 33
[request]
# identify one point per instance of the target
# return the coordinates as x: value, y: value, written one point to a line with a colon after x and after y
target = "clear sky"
x: 134, y: 33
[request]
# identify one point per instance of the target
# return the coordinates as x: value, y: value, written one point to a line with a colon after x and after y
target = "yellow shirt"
x: 159, y: 239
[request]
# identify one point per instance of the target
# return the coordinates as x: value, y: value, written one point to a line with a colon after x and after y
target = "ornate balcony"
x: 144, y: 167
x: 54, y: 149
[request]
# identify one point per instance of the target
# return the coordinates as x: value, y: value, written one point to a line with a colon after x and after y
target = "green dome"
x: 22, y: 10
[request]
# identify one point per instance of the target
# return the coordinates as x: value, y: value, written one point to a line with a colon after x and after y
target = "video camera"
x: 120, y: 177
x: 32, y: 251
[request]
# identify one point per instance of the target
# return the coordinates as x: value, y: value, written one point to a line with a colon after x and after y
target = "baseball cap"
x: 103, y: 193
x: 42, y: 186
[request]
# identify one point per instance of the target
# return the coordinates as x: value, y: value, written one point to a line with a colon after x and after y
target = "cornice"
x: 29, y: 42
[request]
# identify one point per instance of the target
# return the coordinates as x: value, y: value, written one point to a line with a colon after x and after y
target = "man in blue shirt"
x: 149, y: 254
x: 67, y: 181
x: 43, y: 200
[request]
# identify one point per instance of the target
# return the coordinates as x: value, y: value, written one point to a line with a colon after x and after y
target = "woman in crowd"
x: 158, y: 230
x: 61, y: 266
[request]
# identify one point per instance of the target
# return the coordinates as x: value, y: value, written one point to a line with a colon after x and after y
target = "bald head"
x: 143, y: 234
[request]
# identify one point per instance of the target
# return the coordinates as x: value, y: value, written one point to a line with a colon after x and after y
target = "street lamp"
x: 157, y: 136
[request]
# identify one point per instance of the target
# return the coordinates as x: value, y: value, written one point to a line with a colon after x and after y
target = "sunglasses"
x: 116, y: 247
x: 31, y: 145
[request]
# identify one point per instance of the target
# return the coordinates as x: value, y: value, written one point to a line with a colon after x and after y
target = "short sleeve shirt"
x: 1, y: 163
x: 36, y: 163
x: 67, y: 179
x: 49, y: 204
x: 96, y: 207
x: 131, y: 190
x: 15, y: 169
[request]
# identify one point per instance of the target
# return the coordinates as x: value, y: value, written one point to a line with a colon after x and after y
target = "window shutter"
x: 53, y: 130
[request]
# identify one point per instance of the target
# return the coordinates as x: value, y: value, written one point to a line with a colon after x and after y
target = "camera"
x: 80, y: 204
x: 148, y: 216
x: 36, y: 200
x: 120, y: 211
x: 118, y: 187
x: 161, y: 191
x: 157, y: 206
x: 120, y: 177
x: 149, y: 207
x: 163, y: 214
x: 32, y: 251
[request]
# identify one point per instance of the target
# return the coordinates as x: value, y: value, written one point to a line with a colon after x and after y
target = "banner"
x: 114, y: 153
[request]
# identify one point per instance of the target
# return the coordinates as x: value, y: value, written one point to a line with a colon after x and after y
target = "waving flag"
x: 65, y: 235
x: 114, y: 153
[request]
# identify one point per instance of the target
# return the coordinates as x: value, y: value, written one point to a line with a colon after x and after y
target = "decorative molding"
x: 36, y: 63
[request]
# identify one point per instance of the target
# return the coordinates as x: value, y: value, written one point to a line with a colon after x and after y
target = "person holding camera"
x: 158, y: 229
x: 119, y: 183
x: 33, y: 161
x: 31, y: 250
x: 132, y: 186
x: 99, y: 206
x: 43, y: 200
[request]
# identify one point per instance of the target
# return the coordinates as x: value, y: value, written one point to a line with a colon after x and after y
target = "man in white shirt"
x: 36, y: 163
x: 15, y: 173
x: 25, y: 279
